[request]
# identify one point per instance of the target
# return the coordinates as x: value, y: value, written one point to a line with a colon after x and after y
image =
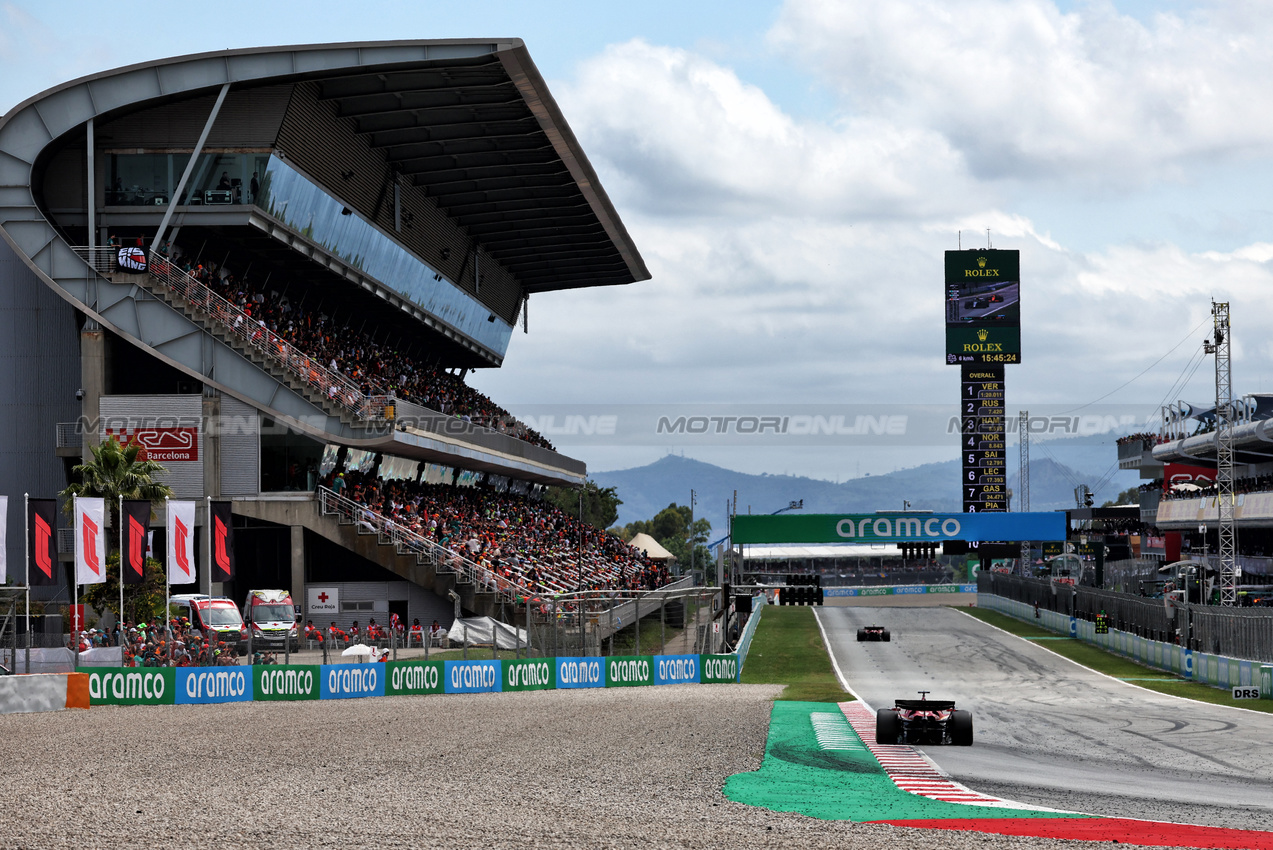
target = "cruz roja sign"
x: 898, y: 527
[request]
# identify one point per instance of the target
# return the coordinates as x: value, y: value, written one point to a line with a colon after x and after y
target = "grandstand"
x: 1178, y: 498
x: 277, y: 266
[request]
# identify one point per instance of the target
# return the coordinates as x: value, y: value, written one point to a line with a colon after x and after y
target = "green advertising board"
x: 414, y: 677
x: 718, y: 669
x: 132, y: 686
x: 629, y: 671
x: 533, y: 674
x: 897, y: 527
x: 286, y: 682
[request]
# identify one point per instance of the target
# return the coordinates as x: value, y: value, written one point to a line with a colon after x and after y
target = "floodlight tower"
x: 1219, y: 346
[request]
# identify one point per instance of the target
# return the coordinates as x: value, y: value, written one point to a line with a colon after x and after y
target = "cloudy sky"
x: 792, y: 173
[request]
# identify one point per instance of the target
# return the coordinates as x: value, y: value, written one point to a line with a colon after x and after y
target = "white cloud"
x: 683, y: 134
x: 1023, y: 90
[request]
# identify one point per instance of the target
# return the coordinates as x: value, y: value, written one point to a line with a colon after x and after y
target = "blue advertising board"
x: 350, y: 681
x: 202, y: 685
x: 675, y: 669
x: 474, y: 677
x: 581, y: 673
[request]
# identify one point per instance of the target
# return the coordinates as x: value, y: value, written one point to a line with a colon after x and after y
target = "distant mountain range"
x: 646, y: 490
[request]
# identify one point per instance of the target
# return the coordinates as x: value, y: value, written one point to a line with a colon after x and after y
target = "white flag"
x: 90, y: 540
x: 180, y: 542
x: 4, y: 543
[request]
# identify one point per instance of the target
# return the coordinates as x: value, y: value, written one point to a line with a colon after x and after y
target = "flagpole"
x: 207, y: 541
x: 26, y: 505
x: 75, y: 579
x: 120, y: 620
x: 167, y: 585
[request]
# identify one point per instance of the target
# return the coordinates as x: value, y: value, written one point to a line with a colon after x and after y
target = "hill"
x: 646, y: 490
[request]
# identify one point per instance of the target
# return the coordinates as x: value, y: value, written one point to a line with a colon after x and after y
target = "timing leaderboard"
x: 983, y: 438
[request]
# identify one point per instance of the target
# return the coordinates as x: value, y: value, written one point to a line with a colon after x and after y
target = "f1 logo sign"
x: 222, y: 557
x: 43, y: 538
x: 136, y: 546
x: 90, y: 545
x: 183, y: 534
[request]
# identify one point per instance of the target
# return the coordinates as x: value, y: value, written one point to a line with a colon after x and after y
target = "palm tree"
x: 114, y: 472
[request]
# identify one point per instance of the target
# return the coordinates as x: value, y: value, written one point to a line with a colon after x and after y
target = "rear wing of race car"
x: 926, y: 704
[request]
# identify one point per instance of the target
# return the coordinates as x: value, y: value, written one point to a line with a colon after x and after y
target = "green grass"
x: 788, y: 650
x: 1118, y: 666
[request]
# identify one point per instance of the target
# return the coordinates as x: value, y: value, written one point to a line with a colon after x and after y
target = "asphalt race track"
x: 1052, y: 733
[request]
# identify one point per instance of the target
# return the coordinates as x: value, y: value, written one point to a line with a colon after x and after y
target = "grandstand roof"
x: 469, y: 122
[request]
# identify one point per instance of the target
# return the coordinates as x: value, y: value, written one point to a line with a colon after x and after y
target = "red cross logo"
x: 322, y: 597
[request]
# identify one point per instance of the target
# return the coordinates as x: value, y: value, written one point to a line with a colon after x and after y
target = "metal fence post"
x: 662, y: 624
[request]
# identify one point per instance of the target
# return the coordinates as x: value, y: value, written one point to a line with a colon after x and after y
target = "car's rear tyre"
x: 888, y: 726
x: 886, y: 636
x: 961, y: 728
x: 861, y: 634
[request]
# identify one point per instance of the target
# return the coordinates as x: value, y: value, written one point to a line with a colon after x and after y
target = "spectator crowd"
x: 352, y: 350
x: 511, y: 538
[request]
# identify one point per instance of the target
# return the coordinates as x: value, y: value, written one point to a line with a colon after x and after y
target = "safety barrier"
x: 899, y: 589
x: 43, y: 692
x: 275, y: 682
x: 749, y: 630
x: 1210, y: 669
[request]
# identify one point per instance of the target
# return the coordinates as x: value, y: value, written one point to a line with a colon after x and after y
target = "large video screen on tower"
x: 983, y: 307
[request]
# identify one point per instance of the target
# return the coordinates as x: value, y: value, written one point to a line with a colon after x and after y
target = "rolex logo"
x: 982, y: 333
x: 981, y: 262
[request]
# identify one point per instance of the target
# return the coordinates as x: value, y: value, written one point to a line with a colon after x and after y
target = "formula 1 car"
x: 874, y: 633
x: 923, y: 721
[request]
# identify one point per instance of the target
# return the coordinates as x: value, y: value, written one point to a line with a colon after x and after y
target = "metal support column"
x: 190, y: 166
x: 91, y: 199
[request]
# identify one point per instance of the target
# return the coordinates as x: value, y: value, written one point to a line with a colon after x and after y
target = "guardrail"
x: 234, y: 322
x: 1245, y: 633
x: 1208, y: 668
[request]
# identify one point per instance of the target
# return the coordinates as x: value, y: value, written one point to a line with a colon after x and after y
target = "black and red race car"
x: 923, y: 721
x: 874, y: 633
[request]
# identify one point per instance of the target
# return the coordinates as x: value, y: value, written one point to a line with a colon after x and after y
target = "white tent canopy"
x: 487, y: 631
x: 645, y: 543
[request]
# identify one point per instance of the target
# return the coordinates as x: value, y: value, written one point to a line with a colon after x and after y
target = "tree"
x: 114, y: 473
x: 675, y: 533
x: 1130, y: 496
x: 142, y: 602
x: 600, y: 504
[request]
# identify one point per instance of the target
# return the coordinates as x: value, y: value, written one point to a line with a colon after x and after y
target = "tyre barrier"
x: 279, y: 682
x: 43, y: 692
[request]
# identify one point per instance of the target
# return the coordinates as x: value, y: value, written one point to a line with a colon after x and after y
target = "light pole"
x: 691, y: 540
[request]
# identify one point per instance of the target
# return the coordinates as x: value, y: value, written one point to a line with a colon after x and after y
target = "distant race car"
x: 874, y: 633
x: 923, y: 721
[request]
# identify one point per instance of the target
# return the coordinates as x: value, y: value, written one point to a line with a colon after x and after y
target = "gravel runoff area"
x: 639, y: 767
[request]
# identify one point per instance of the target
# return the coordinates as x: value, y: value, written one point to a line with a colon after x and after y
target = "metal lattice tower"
x: 1225, y: 499
x: 1023, y: 477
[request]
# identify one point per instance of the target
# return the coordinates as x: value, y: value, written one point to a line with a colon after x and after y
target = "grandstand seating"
x: 505, y: 541
x: 356, y: 365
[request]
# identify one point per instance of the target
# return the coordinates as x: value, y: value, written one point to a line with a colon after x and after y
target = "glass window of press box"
x: 148, y: 179
x: 289, y: 461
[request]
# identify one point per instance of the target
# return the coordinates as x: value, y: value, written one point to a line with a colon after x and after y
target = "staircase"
x: 353, y: 527
x: 328, y: 390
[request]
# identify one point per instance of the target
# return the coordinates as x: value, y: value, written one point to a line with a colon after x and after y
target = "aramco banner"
x: 898, y: 527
